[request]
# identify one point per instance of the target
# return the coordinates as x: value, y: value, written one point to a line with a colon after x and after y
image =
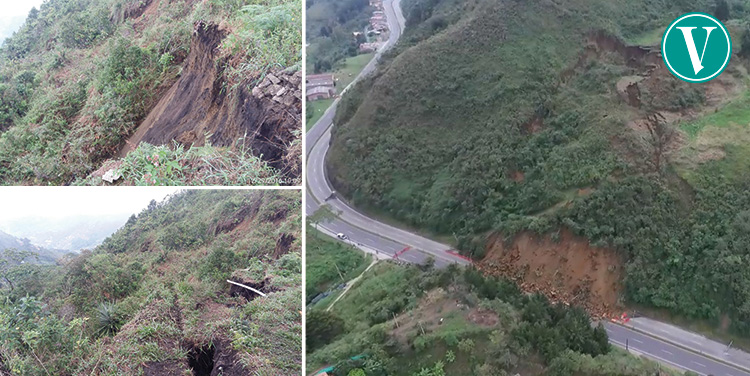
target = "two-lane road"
x: 387, y: 240
x: 361, y: 229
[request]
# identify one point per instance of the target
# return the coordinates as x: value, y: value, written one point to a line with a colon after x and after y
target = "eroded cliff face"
x: 262, y: 116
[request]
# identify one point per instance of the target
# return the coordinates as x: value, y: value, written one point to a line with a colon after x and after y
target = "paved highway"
x: 669, y: 354
x: 363, y: 231
x: 388, y: 241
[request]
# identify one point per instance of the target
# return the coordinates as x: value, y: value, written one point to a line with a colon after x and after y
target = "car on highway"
x: 342, y: 236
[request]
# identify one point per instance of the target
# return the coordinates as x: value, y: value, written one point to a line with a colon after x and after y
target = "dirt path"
x: 350, y: 284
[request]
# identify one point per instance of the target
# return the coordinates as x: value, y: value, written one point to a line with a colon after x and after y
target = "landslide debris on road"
x: 262, y: 116
x: 567, y: 270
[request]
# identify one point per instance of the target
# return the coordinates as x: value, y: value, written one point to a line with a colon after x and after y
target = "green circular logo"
x: 696, y: 47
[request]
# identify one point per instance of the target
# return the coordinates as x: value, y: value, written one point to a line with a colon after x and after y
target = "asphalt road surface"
x: 388, y: 241
x: 667, y: 353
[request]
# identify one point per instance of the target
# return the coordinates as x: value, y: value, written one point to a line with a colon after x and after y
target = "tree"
x: 745, y: 50
x: 10, y: 261
x: 322, y: 328
x: 722, y: 10
x: 324, y: 214
x: 661, y: 135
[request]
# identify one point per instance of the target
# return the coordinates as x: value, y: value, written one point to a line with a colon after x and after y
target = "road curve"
x: 385, y: 240
x: 362, y: 230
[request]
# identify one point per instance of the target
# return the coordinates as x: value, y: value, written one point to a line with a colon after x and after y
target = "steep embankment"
x: 197, y: 107
x: 495, y: 118
x: 84, y: 82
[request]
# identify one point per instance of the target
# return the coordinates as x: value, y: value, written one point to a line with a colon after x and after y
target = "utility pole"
x: 339, y: 271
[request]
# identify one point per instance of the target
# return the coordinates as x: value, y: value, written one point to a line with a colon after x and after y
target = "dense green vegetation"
x: 330, y: 24
x: 487, y: 119
x: 414, y: 320
x: 80, y: 75
x: 156, y: 291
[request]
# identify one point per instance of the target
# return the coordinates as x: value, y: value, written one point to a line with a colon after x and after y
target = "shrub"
x: 108, y: 319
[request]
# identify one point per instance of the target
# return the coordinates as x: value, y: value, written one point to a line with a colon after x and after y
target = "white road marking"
x: 635, y: 340
x: 700, y: 364
x: 666, y: 352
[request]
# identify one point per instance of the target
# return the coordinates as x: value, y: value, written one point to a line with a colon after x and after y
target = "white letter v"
x: 687, y: 32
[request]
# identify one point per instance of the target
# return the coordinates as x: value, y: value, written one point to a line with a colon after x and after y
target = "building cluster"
x: 320, y: 86
x: 323, y: 86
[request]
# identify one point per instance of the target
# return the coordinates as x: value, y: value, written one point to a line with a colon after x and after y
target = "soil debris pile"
x: 569, y: 270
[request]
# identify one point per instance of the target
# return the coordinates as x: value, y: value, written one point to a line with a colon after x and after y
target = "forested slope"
x: 153, y: 298
x: 493, y: 120
x: 80, y: 78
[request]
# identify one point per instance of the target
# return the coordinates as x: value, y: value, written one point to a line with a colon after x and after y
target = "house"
x: 368, y: 47
x: 379, y: 23
x: 320, y: 86
x: 320, y: 92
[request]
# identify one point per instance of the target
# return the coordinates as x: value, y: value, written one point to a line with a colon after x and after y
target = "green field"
x: 348, y: 70
x: 345, y: 74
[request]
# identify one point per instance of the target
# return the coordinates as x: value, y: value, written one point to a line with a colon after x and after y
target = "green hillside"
x: 153, y: 299
x: 494, y: 117
x: 80, y: 78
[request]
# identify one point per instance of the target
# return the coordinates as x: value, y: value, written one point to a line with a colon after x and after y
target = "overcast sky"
x: 12, y: 15
x: 60, y: 202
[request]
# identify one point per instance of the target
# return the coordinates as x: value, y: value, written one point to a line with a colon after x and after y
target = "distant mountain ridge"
x: 71, y: 233
x: 46, y: 256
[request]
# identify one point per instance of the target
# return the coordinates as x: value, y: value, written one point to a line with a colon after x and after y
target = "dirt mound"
x: 197, y: 106
x: 569, y: 270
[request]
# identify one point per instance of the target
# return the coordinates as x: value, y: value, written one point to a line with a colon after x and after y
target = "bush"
x: 108, y: 319
x: 219, y: 265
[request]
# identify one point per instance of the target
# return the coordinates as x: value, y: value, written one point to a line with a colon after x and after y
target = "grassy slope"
x: 165, y: 275
x: 438, y: 138
x: 321, y: 254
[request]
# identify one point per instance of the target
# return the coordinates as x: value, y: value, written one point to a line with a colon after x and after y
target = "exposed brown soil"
x: 197, y: 108
x: 535, y: 125
x: 245, y: 214
x: 283, y: 245
x: 436, y: 304
x: 167, y: 368
x: 135, y: 9
x: 235, y: 290
x: 570, y: 270
x: 483, y: 317
x: 217, y: 358
x: 517, y: 176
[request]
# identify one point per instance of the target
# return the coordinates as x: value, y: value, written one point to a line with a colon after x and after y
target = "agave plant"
x: 108, y: 318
